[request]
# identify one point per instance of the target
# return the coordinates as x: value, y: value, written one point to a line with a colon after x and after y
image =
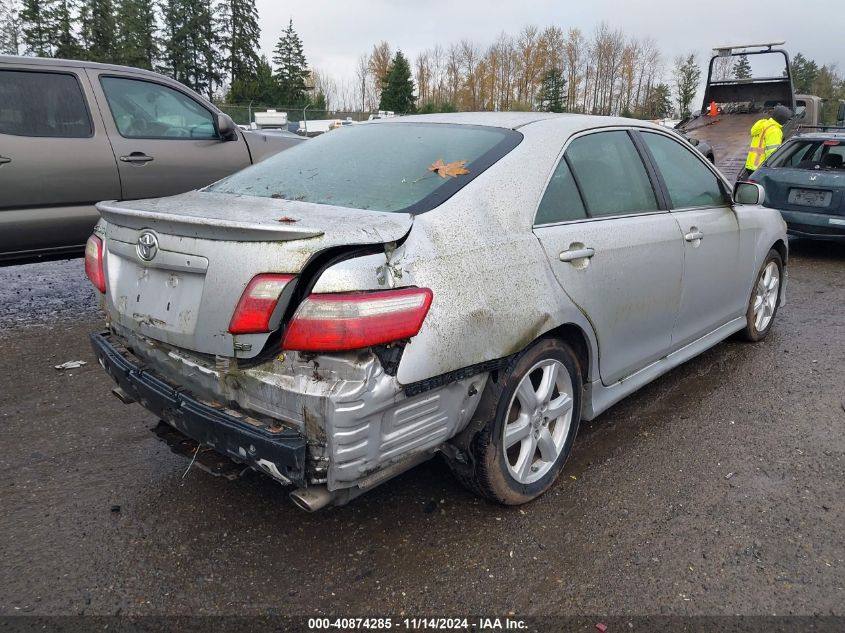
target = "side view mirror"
x: 226, y: 128
x: 749, y: 193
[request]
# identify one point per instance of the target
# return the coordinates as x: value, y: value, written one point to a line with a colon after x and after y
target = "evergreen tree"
x: 83, y: 20
x: 191, y: 52
x: 98, y: 30
x: 10, y: 27
x: 261, y: 89
x: 742, y: 69
x: 37, y: 27
x: 397, y: 93
x: 291, y: 68
x: 175, y: 58
x: 687, y: 75
x: 67, y: 46
x: 804, y: 73
x: 240, y: 33
x: 209, y: 75
x: 136, y: 43
x: 552, y: 97
x: 658, y: 105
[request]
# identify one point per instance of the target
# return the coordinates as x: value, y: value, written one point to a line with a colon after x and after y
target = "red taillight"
x: 259, y: 300
x: 94, y: 263
x: 336, y: 322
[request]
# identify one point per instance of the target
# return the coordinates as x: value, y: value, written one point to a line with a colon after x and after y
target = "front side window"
x: 407, y: 167
x: 611, y: 174
x: 561, y: 202
x: 689, y: 182
x: 143, y: 109
x: 42, y: 104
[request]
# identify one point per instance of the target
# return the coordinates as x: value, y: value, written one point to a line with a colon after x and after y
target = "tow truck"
x: 732, y: 105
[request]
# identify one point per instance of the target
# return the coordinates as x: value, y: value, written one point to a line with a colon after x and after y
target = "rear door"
x: 55, y: 159
x: 716, y: 267
x: 617, y: 253
x: 164, y: 138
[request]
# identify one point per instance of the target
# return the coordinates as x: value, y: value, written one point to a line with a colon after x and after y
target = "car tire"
x: 765, y: 299
x: 521, y: 449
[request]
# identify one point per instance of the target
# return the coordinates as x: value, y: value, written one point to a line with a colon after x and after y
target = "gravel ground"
x: 715, y: 490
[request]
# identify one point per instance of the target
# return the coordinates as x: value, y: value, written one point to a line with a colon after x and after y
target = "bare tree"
x: 326, y: 85
x: 422, y: 76
x: 649, y: 67
x: 11, y: 35
x: 551, y: 52
x: 438, y: 73
x: 723, y: 68
x: 574, y: 49
x: 470, y: 57
x: 605, y: 73
x: 379, y: 66
x: 362, y: 72
x: 453, y: 74
x: 528, y: 66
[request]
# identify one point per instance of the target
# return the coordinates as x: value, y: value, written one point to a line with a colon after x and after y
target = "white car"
x: 472, y: 284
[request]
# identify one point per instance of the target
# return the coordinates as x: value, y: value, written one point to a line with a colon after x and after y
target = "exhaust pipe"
x: 313, y: 498
x: 121, y: 395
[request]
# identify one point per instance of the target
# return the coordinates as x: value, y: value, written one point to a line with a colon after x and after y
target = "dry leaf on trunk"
x: 288, y: 220
x: 446, y: 170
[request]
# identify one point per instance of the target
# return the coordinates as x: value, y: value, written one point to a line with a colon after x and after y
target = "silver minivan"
x: 74, y: 133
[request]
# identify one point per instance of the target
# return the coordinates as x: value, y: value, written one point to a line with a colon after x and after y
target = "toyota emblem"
x: 147, y: 246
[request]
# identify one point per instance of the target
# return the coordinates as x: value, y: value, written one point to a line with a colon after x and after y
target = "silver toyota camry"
x: 471, y: 284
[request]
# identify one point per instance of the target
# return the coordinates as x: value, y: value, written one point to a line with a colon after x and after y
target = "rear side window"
x: 42, y: 104
x: 407, y: 167
x: 144, y: 109
x: 689, y: 182
x: 561, y: 202
x: 611, y: 174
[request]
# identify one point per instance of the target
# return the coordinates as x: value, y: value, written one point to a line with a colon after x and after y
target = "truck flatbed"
x: 729, y: 136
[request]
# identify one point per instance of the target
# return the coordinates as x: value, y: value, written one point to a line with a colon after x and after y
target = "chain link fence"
x: 245, y: 114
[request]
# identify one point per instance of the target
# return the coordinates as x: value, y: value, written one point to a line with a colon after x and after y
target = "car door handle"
x: 578, y: 253
x: 4, y: 160
x: 694, y: 235
x: 136, y: 157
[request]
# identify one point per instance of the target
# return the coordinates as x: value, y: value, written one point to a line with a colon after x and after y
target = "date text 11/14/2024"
x: 480, y: 625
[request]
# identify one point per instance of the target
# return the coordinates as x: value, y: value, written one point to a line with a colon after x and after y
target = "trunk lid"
x: 805, y: 190
x: 202, y: 250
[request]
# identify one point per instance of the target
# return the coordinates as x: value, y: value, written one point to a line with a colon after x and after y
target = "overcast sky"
x: 335, y: 33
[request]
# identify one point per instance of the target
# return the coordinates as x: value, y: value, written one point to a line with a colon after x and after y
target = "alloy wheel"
x: 766, y: 296
x: 538, y: 421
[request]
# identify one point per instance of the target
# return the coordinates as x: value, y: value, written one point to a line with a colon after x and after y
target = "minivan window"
x: 42, y: 104
x: 561, y: 201
x: 379, y: 166
x: 144, y: 109
x: 689, y: 182
x: 611, y: 174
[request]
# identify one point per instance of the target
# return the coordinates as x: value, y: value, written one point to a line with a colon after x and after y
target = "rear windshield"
x: 811, y: 154
x: 407, y: 167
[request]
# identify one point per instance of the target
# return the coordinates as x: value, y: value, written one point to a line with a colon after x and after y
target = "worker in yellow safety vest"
x: 766, y: 137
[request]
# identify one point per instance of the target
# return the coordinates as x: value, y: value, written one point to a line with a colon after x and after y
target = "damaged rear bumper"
x: 279, y: 454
